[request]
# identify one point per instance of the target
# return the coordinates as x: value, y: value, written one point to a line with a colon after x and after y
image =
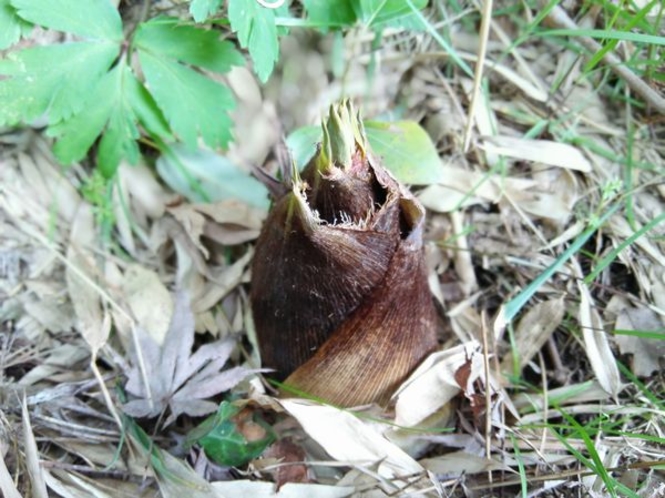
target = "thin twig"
x: 478, y: 75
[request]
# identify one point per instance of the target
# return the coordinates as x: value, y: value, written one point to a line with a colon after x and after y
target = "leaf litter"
x: 519, y: 202
x: 180, y: 379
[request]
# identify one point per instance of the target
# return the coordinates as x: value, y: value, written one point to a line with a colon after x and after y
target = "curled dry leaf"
x: 348, y: 439
x: 339, y: 286
x: 459, y: 188
x: 596, y: 342
x: 178, y: 378
x: 436, y: 381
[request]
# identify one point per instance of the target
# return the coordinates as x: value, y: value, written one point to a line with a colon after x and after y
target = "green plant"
x: 113, y: 84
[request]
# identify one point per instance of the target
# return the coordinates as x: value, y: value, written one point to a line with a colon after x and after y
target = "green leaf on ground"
x: 403, y: 147
x: 201, y: 9
x: 406, y: 150
x: 256, y: 30
x: 204, y: 176
x: 97, y: 19
x: 383, y: 13
x: 331, y: 14
x: 12, y: 27
x: 233, y: 436
x: 192, y: 103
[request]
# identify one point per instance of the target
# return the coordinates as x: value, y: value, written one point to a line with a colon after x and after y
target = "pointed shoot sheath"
x: 339, y: 286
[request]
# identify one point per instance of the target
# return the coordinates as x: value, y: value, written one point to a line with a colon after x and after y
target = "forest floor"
x: 546, y: 257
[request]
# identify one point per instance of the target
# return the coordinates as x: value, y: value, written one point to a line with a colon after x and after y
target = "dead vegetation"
x: 546, y: 255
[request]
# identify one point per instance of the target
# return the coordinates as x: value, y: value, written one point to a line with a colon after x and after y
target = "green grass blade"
x: 517, y: 303
x: 611, y: 256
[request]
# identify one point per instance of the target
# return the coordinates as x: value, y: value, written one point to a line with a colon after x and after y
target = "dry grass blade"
x: 35, y: 471
x: 485, y: 22
x: 7, y: 486
x: 596, y: 342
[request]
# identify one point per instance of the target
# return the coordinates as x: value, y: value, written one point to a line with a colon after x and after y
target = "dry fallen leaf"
x: 647, y: 352
x: 178, y: 378
x: 35, y: 470
x: 80, y: 279
x: 149, y: 300
x: 543, y: 151
x: 261, y: 489
x: 596, y: 342
x: 533, y: 331
x: 347, y: 438
x: 434, y: 383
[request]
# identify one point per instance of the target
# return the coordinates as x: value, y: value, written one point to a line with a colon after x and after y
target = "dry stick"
x: 488, y: 388
x: 560, y: 19
x: 482, y: 51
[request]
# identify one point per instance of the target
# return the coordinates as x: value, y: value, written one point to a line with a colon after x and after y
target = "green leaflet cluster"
x: 89, y: 87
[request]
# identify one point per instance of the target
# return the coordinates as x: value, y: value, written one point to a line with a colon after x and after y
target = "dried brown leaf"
x: 149, y: 300
x: 35, y: 470
x: 7, y: 486
x: 434, y: 383
x: 542, y: 151
x: 80, y: 276
x: 178, y: 378
x: 647, y: 353
x: 596, y: 342
x: 348, y: 439
x: 533, y: 331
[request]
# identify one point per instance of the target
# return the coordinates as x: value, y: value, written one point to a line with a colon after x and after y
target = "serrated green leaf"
x: 119, y: 139
x: 165, y: 37
x: 406, y: 150
x: 12, y: 27
x: 53, y: 79
x: 340, y: 13
x: 201, y: 9
x: 192, y: 103
x: 111, y: 115
x: 77, y: 134
x: 256, y: 30
x: 204, y: 176
x: 382, y: 13
x: 146, y: 110
x: 89, y: 19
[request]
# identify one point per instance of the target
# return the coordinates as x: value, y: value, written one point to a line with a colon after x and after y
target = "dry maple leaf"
x: 178, y: 378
